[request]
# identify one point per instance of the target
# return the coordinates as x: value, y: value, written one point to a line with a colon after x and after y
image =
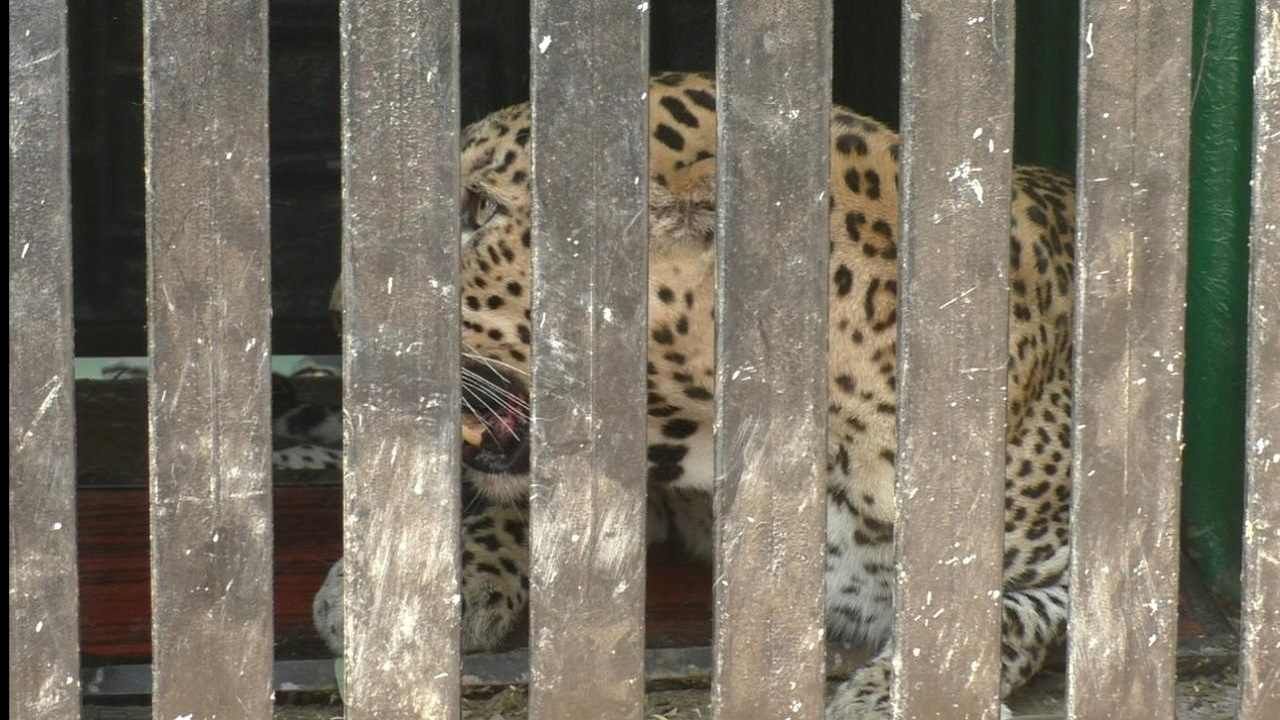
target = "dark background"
x: 106, y: 136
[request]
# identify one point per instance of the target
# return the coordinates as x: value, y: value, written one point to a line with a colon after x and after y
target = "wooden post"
x: 774, y: 90
x: 44, y: 657
x: 957, y: 104
x: 205, y: 80
x: 590, y: 256
x: 1135, y: 85
x: 401, y: 358
x: 1260, y: 636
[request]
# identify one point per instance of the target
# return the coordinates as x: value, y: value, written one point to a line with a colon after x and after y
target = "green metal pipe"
x: 1217, y: 277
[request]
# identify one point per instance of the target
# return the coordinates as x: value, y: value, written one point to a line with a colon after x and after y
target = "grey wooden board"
x: 401, y: 357
x: 205, y: 69
x: 1260, y: 635
x: 1130, y: 269
x: 957, y: 103
x: 774, y: 80
x: 590, y: 255
x: 44, y: 638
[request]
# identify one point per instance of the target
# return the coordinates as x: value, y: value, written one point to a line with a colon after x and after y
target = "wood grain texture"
x: 44, y: 654
x: 401, y: 357
x: 1131, y: 246
x: 1260, y: 635
x: 953, y: 334
x: 771, y: 374
x: 590, y: 279
x: 205, y: 73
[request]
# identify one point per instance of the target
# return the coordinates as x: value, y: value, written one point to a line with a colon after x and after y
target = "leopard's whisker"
x: 481, y: 382
x: 469, y: 352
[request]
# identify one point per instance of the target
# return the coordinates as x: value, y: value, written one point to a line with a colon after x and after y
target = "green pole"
x: 1217, y: 278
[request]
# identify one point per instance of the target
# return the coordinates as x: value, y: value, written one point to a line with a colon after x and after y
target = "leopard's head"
x: 496, y: 270
x: 495, y: 264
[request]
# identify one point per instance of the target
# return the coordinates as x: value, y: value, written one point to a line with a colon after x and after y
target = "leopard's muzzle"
x: 495, y: 418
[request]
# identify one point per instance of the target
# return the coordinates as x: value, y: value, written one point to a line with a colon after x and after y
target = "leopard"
x: 864, y: 227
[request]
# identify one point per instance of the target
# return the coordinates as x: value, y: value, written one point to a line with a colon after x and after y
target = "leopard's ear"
x: 682, y: 205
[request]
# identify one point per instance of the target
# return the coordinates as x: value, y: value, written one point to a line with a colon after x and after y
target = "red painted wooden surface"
x: 115, y: 613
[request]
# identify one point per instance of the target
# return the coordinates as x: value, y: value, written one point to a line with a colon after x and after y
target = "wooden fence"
x: 207, y: 212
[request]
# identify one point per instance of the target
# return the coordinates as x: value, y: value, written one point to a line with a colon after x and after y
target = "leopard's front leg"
x: 1033, y: 619
x: 495, y: 581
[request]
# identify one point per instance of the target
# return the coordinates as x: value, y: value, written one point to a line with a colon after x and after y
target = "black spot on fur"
x: 679, y: 428
x: 701, y: 98
x: 873, y: 184
x: 669, y: 137
x: 678, y: 111
x: 844, y: 280
x: 853, y: 180
x: 698, y: 393
x: 665, y: 473
x: 851, y: 142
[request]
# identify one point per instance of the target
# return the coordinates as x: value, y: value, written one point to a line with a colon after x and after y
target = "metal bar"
x: 44, y: 640
x: 401, y: 326
x: 952, y: 355
x: 478, y: 670
x: 1260, y: 613
x: 205, y: 81
x: 771, y: 373
x: 1131, y: 277
x: 590, y: 257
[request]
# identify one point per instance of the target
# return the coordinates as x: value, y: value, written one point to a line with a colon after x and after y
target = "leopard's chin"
x: 500, y: 488
x: 498, y: 456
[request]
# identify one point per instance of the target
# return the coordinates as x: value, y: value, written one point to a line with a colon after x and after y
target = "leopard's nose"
x: 472, y: 430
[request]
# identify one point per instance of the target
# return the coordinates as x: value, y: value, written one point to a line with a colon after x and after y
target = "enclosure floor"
x: 1204, y: 696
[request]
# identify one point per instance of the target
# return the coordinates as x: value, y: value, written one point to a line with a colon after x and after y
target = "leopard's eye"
x: 477, y: 210
x: 484, y: 211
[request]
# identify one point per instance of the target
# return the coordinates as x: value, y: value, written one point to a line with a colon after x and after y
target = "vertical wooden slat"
x: 401, y: 357
x: 205, y: 81
x: 590, y: 254
x: 774, y: 80
x: 952, y: 355
x: 1130, y: 269
x: 1260, y: 635
x: 44, y: 660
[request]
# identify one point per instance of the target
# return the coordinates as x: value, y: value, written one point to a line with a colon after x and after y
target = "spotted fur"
x: 863, y: 330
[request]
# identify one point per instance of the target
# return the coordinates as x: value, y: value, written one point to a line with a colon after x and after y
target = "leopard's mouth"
x: 495, y: 419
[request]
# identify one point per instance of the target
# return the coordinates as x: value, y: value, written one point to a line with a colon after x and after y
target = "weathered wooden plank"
x: 1260, y: 635
x: 1131, y: 259
x: 44, y: 656
x: 771, y: 380
x: 401, y: 357
x: 590, y: 258
x: 205, y: 69
x: 953, y: 320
